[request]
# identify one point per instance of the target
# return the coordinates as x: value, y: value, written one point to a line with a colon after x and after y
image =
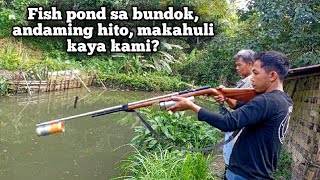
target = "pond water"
x: 90, y: 148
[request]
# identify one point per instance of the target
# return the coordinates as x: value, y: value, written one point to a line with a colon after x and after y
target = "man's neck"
x: 243, y: 77
x: 275, y: 86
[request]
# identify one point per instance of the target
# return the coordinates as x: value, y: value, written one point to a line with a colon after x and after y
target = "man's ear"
x: 273, y: 75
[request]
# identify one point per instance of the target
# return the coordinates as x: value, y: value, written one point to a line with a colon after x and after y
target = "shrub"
x: 165, y: 164
x: 178, y: 128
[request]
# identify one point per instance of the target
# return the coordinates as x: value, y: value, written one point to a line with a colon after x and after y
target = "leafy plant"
x: 212, y: 65
x: 162, y: 59
x: 8, y: 18
x: 4, y: 84
x: 180, y: 129
x: 131, y: 64
x: 284, y: 165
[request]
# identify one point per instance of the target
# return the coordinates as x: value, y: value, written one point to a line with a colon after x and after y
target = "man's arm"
x: 248, y: 114
x: 239, y: 104
x: 231, y: 102
x: 251, y: 113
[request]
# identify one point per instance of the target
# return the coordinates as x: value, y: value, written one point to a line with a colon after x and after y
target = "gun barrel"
x: 115, y: 108
x: 153, y: 99
x: 101, y: 111
x: 80, y: 115
x: 239, y: 94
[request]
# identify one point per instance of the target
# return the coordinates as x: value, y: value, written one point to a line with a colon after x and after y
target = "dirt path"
x: 218, y: 166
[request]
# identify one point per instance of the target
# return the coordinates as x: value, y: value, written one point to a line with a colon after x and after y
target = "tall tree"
x: 289, y: 26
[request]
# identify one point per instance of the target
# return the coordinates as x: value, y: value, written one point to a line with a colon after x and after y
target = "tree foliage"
x: 292, y: 27
x: 288, y: 26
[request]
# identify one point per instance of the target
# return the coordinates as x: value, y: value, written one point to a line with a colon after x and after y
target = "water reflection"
x: 85, y: 151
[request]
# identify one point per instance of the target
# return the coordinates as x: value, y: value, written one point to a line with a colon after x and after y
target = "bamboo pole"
x: 83, y: 83
x: 18, y: 82
x: 94, y: 71
x: 40, y: 81
x: 21, y: 65
x: 54, y: 84
x: 39, y: 86
x: 27, y: 84
x: 64, y: 80
x: 89, y: 79
x: 50, y: 82
x: 72, y: 80
x: 48, y: 103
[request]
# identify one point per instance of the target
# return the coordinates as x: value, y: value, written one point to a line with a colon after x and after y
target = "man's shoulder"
x: 280, y: 96
x: 276, y: 96
x: 247, y: 83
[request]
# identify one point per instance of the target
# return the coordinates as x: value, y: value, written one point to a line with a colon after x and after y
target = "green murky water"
x: 91, y: 148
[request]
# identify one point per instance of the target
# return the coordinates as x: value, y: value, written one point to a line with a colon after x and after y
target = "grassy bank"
x: 155, y: 159
x: 166, y: 164
x: 122, y: 71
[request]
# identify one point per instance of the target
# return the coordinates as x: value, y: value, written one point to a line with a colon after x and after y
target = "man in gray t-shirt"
x: 244, y: 60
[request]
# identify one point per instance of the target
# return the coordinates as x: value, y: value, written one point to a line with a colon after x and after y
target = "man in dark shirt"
x: 266, y: 118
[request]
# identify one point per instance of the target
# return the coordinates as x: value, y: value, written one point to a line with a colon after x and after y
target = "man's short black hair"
x: 274, y: 61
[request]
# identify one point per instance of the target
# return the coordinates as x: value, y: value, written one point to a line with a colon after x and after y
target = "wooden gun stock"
x: 244, y: 95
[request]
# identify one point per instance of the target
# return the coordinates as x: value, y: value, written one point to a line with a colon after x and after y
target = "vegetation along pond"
x: 90, y: 148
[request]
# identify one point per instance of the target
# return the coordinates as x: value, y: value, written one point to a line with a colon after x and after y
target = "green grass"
x: 284, y: 166
x: 15, y: 55
x: 165, y: 164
